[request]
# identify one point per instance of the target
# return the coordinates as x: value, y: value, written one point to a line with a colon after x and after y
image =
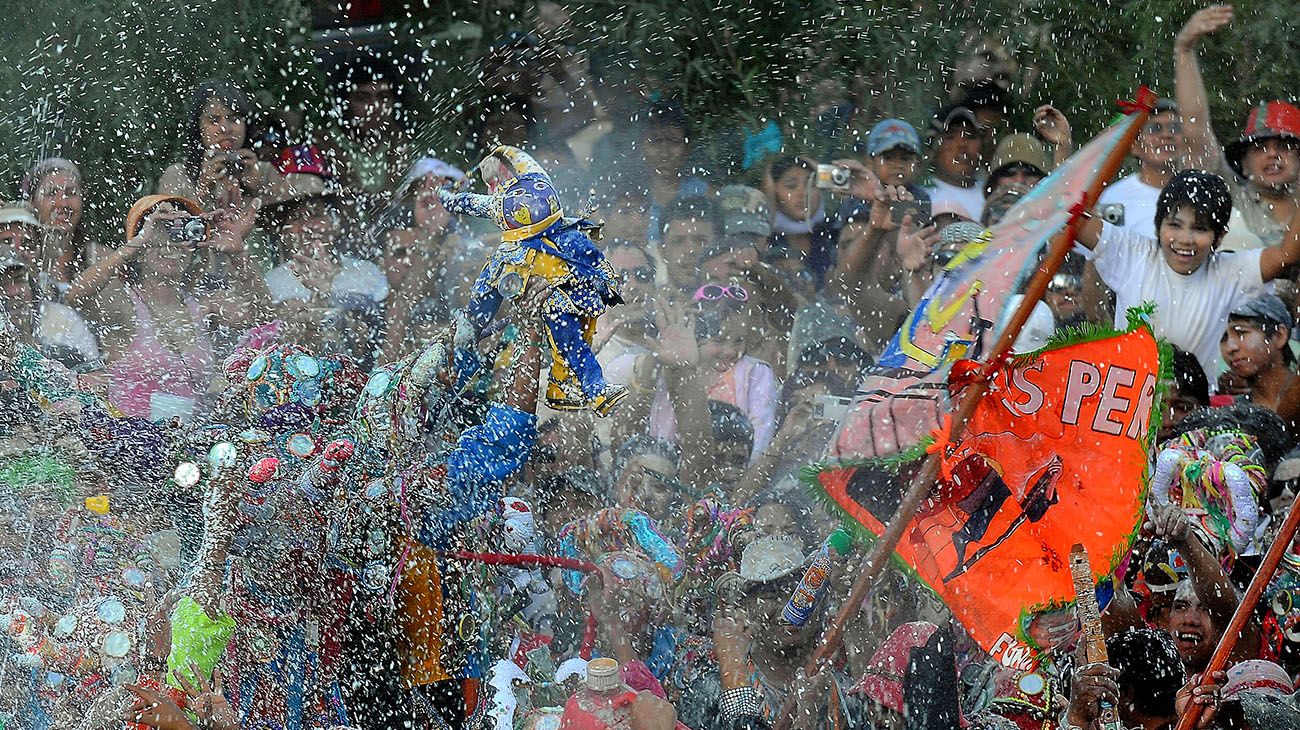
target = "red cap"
x: 303, y: 159
x: 1266, y: 121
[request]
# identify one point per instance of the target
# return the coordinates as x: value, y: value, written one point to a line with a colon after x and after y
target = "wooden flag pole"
x: 924, y: 479
x: 1219, y: 659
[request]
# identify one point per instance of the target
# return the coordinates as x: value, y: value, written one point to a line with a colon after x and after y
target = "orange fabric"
x: 724, y: 388
x: 419, y: 609
x: 1053, y: 456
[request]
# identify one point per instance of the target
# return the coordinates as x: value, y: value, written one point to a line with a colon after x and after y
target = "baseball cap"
x: 1268, y: 120
x: 430, y: 166
x: 949, y: 115
x: 305, y: 171
x: 1267, y: 308
x: 743, y: 209
x: 1018, y: 149
x: 9, y: 258
x: 1256, y: 675
x: 891, y: 133
x: 302, y: 159
x: 18, y: 212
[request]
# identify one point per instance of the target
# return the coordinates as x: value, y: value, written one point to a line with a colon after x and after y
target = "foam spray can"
x: 801, y: 604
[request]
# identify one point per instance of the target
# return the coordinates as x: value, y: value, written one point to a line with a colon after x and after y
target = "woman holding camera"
x: 155, y: 340
x: 802, y: 243
x: 220, y: 168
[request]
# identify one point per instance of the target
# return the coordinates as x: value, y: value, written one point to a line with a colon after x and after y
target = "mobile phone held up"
x: 831, y: 408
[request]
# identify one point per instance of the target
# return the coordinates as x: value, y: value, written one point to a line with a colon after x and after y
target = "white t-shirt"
x: 355, y: 277
x: 1191, y: 311
x: 1139, y: 201
x: 969, y: 199
x: 61, y: 327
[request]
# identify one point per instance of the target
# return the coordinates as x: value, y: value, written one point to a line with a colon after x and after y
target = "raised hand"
x: 1169, y: 523
x: 1090, y: 686
x: 230, y: 227
x: 206, y: 699
x: 1207, y: 695
x: 676, y: 346
x: 863, y: 183
x: 882, y: 213
x: 1202, y: 23
x: 915, y: 245
x: 1051, y: 125
x: 153, y: 232
x: 731, y: 641
x: 250, y: 172
x: 155, y: 709
x: 158, y: 627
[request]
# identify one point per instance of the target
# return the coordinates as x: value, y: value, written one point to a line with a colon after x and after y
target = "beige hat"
x: 135, y: 216
x: 1018, y: 149
x: 771, y: 557
x: 18, y: 212
x: 743, y: 210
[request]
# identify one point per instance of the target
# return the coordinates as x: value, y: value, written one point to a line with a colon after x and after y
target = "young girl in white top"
x: 1193, y: 286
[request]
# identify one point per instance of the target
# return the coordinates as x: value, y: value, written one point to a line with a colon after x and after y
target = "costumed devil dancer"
x: 537, y: 239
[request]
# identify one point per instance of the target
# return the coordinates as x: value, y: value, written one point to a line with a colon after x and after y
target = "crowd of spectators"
x: 750, y: 314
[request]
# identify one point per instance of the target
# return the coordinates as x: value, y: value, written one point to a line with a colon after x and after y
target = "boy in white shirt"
x: 1193, y: 286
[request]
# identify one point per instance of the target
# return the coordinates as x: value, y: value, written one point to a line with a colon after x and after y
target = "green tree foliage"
x: 106, y: 81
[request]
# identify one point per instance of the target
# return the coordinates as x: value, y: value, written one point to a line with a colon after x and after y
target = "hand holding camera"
x: 836, y: 178
x: 167, y: 224
x: 863, y: 183
x: 249, y: 173
x: 224, y: 173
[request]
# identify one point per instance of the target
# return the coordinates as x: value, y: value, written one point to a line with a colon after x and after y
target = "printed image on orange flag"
x: 903, y: 397
x: 1054, y: 455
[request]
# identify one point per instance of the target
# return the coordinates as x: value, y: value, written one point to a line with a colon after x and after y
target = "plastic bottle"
x: 604, y: 702
x: 801, y: 603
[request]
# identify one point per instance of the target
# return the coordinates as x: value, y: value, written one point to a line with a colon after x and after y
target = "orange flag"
x: 1055, y: 455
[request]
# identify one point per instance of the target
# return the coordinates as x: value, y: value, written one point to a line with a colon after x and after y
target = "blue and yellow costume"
x: 538, y: 240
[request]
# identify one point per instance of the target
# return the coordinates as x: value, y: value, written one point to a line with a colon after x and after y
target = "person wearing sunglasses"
x: 1131, y: 201
x: 629, y: 326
